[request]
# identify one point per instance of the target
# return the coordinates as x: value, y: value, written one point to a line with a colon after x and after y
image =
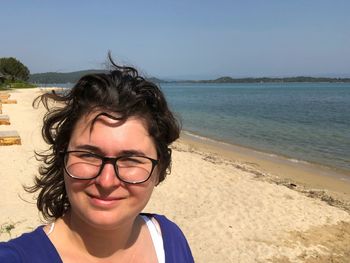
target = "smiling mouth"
x: 102, y: 201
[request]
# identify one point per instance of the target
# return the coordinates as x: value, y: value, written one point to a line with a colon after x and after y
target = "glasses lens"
x: 82, y: 165
x: 134, y: 169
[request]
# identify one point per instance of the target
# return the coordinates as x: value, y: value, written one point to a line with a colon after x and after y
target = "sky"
x: 181, y: 39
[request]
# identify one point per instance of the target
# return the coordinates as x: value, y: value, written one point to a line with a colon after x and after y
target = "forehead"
x: 96, y: 118
x: 112, y: 136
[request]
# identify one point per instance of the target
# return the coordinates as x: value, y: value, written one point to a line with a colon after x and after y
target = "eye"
x: 132, y: 161
x: 86, y: 157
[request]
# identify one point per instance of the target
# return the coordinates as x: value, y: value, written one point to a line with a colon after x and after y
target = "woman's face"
x: 106, y: 202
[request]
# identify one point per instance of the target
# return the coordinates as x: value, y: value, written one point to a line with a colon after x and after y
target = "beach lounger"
x: 4, y: 120
x: 4, y: 96
x: 9, y: 138
x: 7, y: 101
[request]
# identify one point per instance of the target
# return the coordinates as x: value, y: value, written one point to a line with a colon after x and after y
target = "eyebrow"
x: 132, y: 152
x: 88, y: 147
x: 97, y: 150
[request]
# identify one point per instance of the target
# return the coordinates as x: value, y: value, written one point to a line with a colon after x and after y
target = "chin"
x: 108, y: 220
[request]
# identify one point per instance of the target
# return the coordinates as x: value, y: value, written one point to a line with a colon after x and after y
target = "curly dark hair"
x: 121, y: 91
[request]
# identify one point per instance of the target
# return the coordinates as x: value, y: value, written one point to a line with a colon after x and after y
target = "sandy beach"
x: 232, y: 203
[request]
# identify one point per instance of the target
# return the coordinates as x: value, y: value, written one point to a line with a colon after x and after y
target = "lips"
x: 97, y: 200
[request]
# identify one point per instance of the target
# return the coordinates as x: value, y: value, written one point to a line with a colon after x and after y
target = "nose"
x: 107, y: 177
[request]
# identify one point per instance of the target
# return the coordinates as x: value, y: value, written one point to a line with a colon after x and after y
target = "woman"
x: 109, y: 147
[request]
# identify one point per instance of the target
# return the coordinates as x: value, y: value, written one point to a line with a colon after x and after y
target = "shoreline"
x: 301, y: 176
x: 332, y: 170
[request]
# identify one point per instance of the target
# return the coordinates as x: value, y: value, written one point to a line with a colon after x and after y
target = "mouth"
x: 97, y: 200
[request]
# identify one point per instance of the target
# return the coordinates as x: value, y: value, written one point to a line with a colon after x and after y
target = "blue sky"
x: 181, y: 39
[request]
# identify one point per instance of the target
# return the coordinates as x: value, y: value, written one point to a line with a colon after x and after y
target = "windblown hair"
x: 121, y: 91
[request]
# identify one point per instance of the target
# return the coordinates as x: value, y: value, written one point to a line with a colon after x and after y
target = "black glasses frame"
x: 111, y: 160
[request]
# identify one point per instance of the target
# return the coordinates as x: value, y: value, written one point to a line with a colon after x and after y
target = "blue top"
x: 37, y: 247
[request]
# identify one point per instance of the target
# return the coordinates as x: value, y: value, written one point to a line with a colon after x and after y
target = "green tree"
x: 13, y: 69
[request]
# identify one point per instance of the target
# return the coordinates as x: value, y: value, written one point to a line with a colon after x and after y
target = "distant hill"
x: 57, y: 77
x: 156, y: 80
x: 270, y: 80
x: 72, y: 77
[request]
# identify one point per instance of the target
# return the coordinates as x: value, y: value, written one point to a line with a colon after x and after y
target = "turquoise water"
x: 302, y: 121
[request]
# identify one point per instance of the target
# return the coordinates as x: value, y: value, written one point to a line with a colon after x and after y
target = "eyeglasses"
x: 130, y: 169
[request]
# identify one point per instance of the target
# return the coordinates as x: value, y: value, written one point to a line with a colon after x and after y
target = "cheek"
x: 142, y: 192
x: 73, y: 186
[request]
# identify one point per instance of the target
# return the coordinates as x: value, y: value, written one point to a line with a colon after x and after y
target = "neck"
x: 99, y: 242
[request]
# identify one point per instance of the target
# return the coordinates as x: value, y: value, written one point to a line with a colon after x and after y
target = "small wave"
x: 200, y: 137
x: 296, y: 161
x: 265, y: 153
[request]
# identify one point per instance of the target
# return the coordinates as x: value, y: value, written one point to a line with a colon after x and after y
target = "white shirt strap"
x: 52, y: 227
x: 157, y: 238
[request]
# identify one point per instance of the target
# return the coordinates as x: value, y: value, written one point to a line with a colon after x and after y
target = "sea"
x: 304, y: 122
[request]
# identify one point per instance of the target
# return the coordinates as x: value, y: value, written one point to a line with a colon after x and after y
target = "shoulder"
x: 9, y: 253
x: 175, y: 244
x: 29, y: 247
x: 168, y: 227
